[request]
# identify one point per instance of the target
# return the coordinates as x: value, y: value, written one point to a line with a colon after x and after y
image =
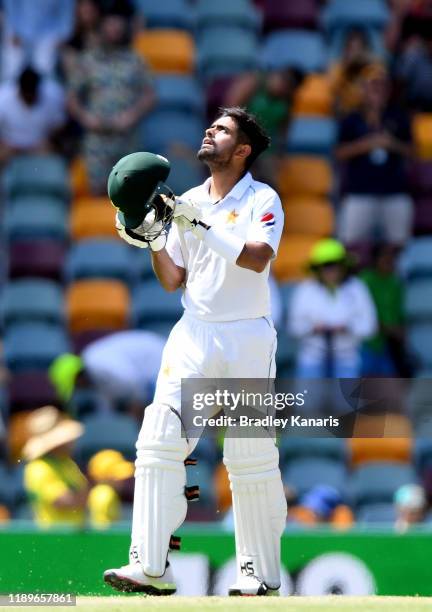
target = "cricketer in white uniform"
x: 219, y: 249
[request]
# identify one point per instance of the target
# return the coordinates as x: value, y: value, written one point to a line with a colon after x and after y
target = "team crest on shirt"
x: 232, y: 216
x: 268, y: 219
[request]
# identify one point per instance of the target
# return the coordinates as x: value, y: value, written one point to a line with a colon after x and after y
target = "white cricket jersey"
x: 215, y: 289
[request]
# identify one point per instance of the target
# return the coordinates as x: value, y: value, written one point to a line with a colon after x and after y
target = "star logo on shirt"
x: 166, y: 371
x: 232, y: 216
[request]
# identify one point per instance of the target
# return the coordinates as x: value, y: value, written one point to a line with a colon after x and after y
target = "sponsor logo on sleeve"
x: 268, y: 220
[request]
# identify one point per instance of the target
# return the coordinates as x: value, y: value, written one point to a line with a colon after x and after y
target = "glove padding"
x: 186, y: 215
x: 140, y: 237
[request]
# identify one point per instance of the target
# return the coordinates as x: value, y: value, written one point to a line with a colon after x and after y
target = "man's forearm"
x: 170, y: 276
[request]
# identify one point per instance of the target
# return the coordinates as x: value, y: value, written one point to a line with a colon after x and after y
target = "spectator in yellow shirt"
x: 56, y: 487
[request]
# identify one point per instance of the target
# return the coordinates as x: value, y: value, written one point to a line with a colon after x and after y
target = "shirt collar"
x: 237, y: 192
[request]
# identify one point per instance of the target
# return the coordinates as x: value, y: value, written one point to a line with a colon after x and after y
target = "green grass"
x: 256, y: 604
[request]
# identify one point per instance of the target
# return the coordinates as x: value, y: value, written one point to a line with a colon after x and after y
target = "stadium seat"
x: 364, y: 450
x: 79, y: 180
x: 340, y: 14
x: 309, y: 219
x: 107, y: 431
x: 97, y: 304
x: 299, y: 49
x: 166, y: 51
x: 43, y: 258
x: 292, y: 257
x: 33, y: 346
x: 186, y: 172
x: 418, y: 300
x: 167, y: 14
x: 32, y: 300
x: 161, y: 130
x: 292, y: 448
x: 179, y: 93
x: 419, y: 404
x: 420, y: 342
x: 240, y: 14
x: 313, y: 97
x: 423, y: 215
x: 423, y: 453
x: 6, y: 491
x: 416, y: 261
x: 94, y: 220
x: 422, y: 133
x: 377, y: 513
x: 378, y: 482
x: 311, y: 135
x: 30, y: 390
x: 90, y: 200
x: 151, y: 303
x: 305, y: 473
x: 143, y: 264
x: 225, y: 51
x: 38, y: 175
x: 304, y: 175
x: 99, y: 259
x: 31, y: 218
x: 374, y: 38
x: 279, y: 15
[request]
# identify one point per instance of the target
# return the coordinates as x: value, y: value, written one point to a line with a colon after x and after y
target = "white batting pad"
x: 259, y: 506
x: 160, y: 476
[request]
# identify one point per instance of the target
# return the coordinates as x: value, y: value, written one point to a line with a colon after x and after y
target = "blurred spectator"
x: 31, y: 111
x: 373, y: 146
x: 122, y: 366
x: 384, y: 354
x: 410, y: 504
x: 269, y: 96
x: 414, y: 71
x: 85, y: 35
x: 110, y: 92
x: 346, y: 75
x: 410, y: 19
x: 322, y: 505
x: 113, y: 478
x: 330, y: 315
x: 33, y: 32
x: 56, y: 487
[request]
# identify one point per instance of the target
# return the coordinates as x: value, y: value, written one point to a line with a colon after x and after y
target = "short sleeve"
x: 173, y: 246
x: 267, y: 221
x: 43, y: 483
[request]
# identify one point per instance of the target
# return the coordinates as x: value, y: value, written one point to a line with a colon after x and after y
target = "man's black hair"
x: 29, y: 79
x: 249, y: 131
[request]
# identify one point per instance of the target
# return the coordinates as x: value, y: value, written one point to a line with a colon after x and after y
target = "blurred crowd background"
x: 344, y: 87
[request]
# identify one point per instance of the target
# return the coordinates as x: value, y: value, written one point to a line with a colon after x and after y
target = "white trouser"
x: 200, y: 349
x: 361, y: 215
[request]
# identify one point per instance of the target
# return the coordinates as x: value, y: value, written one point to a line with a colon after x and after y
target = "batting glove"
x: 140, y: 236
x: 186, y: 215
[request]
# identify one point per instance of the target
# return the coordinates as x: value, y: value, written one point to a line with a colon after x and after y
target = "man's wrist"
x: 227, y: 245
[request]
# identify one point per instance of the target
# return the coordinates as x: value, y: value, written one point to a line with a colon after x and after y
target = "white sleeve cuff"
x: 224, y: 244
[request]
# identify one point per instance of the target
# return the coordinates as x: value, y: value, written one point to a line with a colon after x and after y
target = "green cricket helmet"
x: 136, y: 186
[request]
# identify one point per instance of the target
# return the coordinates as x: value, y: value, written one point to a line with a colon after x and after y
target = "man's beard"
x: 212, y: 158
